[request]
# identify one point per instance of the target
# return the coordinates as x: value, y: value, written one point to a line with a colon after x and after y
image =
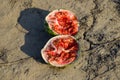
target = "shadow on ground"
x: 32, y: 20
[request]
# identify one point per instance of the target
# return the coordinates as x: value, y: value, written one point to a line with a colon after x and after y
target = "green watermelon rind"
x: 48, y: 30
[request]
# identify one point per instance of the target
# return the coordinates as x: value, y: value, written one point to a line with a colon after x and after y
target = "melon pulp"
x: 60, y: 50
x: 62, y: 22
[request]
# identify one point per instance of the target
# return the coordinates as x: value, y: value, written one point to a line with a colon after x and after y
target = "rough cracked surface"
x: 22, y: 36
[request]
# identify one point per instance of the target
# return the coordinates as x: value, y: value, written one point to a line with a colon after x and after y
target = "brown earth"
x: 22, y: 37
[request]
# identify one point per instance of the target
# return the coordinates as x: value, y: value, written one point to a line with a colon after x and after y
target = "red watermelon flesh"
x: 62, y: 22
x: 60, y: 50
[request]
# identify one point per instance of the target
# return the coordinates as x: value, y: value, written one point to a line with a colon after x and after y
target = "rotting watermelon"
x: 61, y: 22
x: 60, y: 50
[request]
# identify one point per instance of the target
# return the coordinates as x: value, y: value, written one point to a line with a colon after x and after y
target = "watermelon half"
x: 60, y: 50
x: 61, y: 22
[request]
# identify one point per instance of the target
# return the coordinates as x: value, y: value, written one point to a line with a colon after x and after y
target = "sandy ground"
x: 22, y: 37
